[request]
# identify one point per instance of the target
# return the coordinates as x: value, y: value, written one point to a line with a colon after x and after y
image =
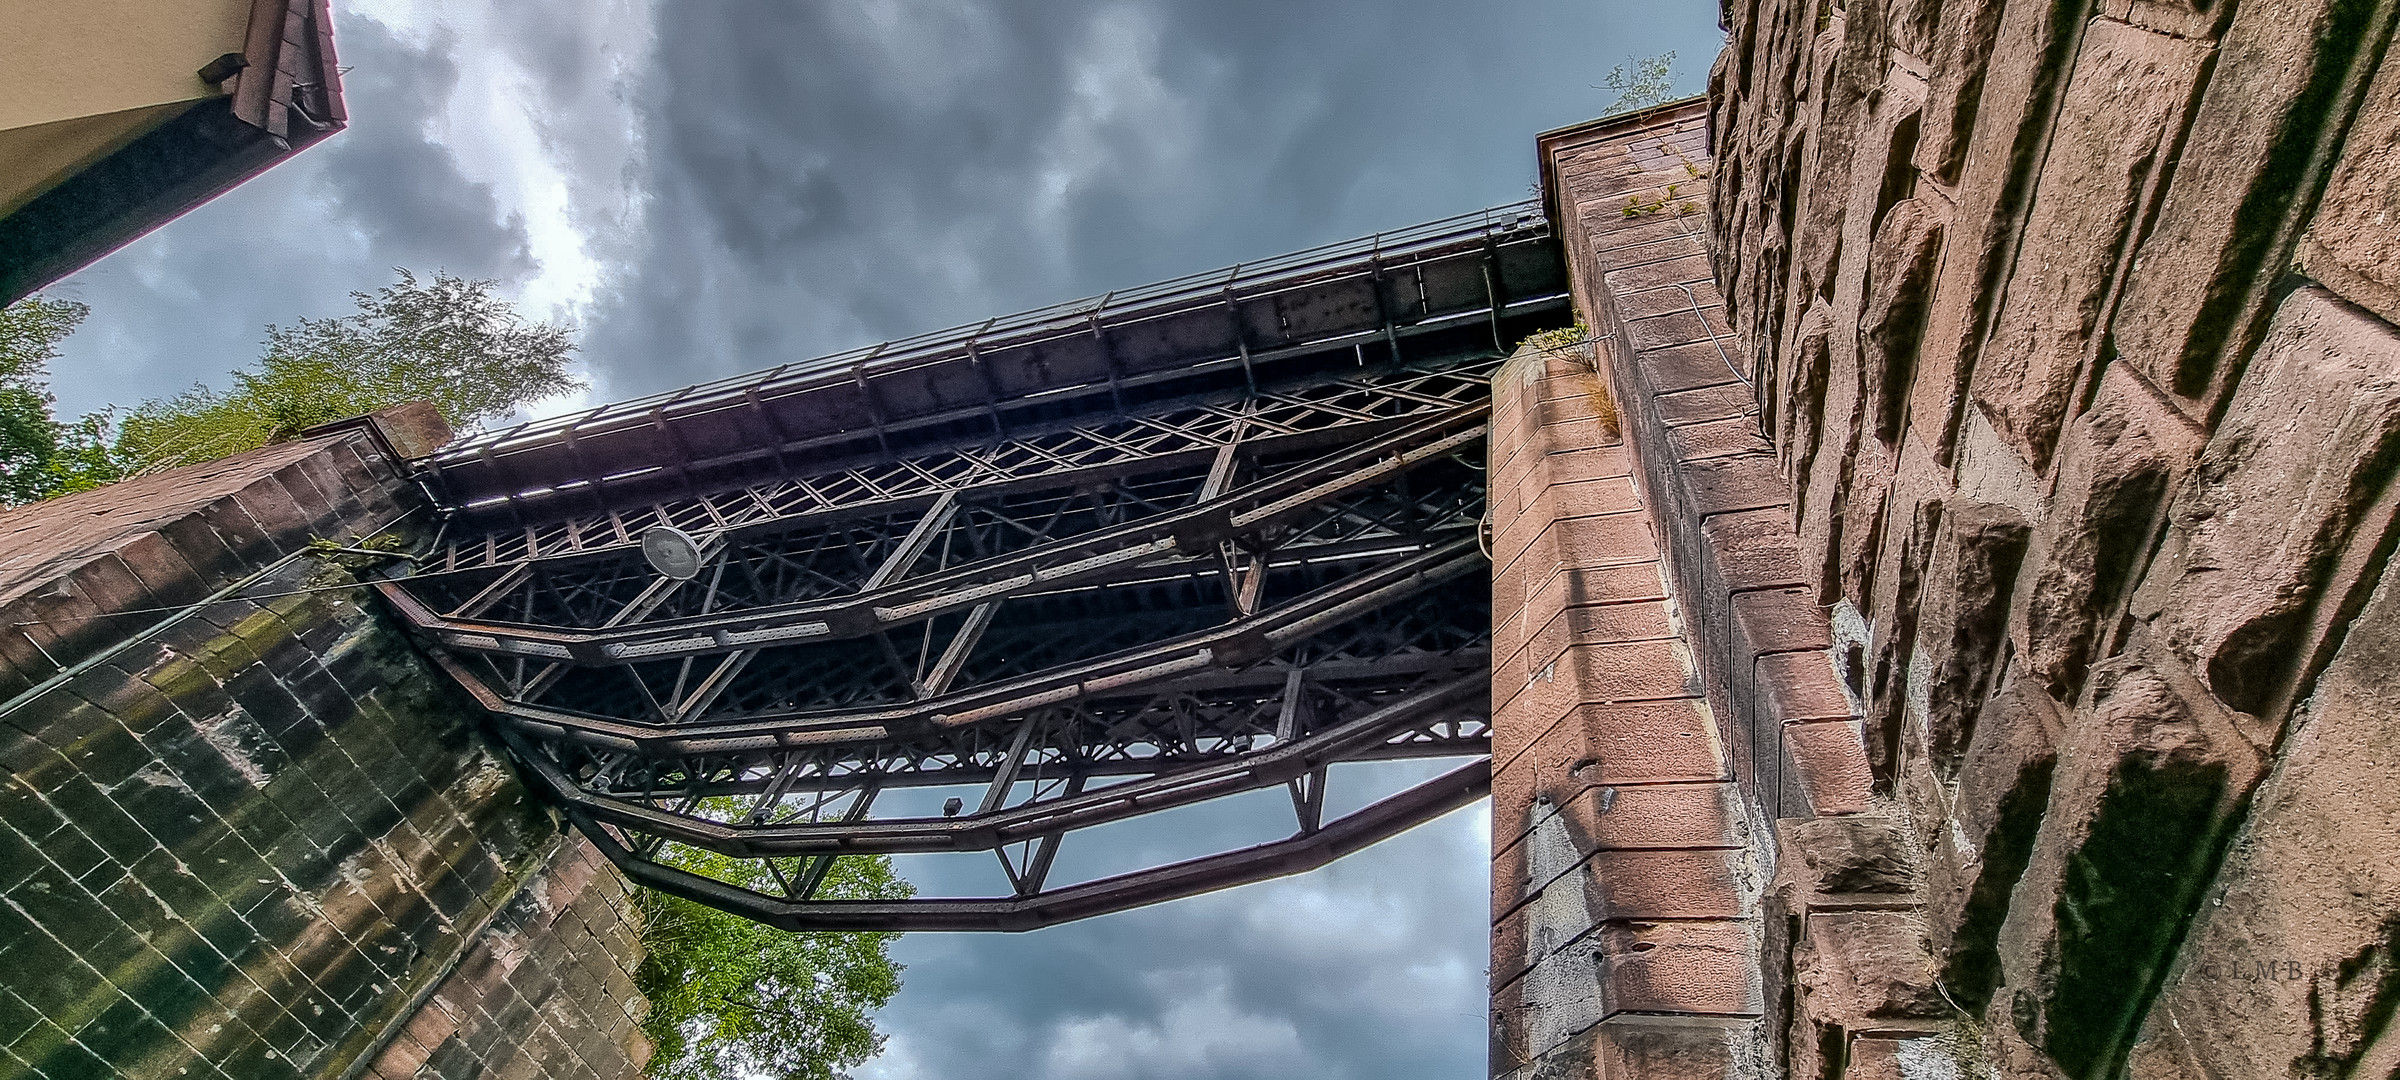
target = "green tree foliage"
x: 30, y: 331
x: 448, y: 341
x: 86, y: 456
x: 1640, y: 82
x: 40, y: 457
x: 730, y: 998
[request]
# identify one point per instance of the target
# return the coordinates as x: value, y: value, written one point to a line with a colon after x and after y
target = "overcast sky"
x: 738, y: 185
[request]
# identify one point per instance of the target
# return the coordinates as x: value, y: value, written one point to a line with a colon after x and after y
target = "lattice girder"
x: 1072, y: 622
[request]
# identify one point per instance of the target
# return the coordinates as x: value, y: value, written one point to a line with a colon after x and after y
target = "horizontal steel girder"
x: 1173, y: 785
x: 1302, y: 852
x: 1323, y: 406
x: 1231, y: 645
x: 1122, y: 352
x: 1145, y: 591
x: 1193, y: 531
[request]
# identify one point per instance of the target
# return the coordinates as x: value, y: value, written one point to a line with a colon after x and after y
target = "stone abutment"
x: 1951, y: 590
x: 245, y: 830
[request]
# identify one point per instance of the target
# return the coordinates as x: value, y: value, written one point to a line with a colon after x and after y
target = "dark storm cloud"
x: 188, y: 303
x: 823, y: 176
x: 402, y: 192
x: 760, y: 182
x: 1372, y: 967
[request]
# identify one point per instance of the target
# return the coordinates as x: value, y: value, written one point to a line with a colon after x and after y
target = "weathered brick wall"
x: 2070, y: 331
x: 1731, y: 863
x: 1624, y: 869
x: 249, y: 835
x: 543, y: 993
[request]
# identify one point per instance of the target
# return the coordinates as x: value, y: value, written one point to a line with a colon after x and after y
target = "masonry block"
x: 204, y: 886
x: 2094, y: 183
x: 2286, y: 961
x: 2288, y: 483
x: 2349, y: 245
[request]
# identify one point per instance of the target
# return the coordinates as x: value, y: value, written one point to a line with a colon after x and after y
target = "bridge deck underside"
x: 1083, y: 565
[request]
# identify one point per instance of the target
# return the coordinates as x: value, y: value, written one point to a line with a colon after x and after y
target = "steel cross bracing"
x: 907, y: 417
x: 1134, y: 606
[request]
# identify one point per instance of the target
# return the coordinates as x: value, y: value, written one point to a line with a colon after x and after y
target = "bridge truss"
x: 1082, y: 565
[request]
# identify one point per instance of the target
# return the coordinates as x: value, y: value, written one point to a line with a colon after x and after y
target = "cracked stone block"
x: 1963, y: 623
x: 2297, y: 945
x: 2354, y: 244
x: 2120, y: 107
x: 2121, y: 460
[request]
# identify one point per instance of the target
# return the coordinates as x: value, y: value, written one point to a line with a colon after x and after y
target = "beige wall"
x: 35, y: 159
x: 84, y: 78
x: 90, y: 57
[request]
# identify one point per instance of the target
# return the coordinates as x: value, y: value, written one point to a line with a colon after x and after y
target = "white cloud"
x: 562, y: 156
x: 1124, y: 124
x: 1202, y: 1033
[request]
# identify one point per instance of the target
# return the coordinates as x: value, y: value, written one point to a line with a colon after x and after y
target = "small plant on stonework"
x: 379, y: 549
x: 378, y: 544
x: 1636, y: 206
x: 1561, y: 338
x: 1640, y: 82
x: 1593, y: 384
x: 730, y: 997
x: 1965, y: 1039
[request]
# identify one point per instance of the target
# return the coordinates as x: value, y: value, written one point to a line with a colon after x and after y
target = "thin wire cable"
x: 221, y: 600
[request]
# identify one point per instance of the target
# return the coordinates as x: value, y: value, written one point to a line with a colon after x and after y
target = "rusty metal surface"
x: 1042, y: 382
x: 1214, y: 553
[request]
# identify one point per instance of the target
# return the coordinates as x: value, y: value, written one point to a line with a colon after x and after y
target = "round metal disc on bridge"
x: 671, y: 551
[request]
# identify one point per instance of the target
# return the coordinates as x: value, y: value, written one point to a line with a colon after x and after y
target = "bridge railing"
x: 1111, y: 344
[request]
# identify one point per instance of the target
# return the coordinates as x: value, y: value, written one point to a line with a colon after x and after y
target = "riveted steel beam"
x: 886, y: 600
x: 1079, y: 567
x: 1298, y: 854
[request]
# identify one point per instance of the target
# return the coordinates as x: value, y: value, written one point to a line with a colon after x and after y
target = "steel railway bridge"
x: 1101, y: 560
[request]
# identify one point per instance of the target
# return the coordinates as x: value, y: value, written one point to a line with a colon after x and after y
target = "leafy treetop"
x: 448, y: 341
x: 734, y: 998
x: 40, y: 457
